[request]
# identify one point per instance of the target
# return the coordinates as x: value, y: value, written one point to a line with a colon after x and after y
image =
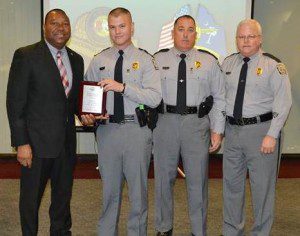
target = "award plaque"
x: 92, y: 99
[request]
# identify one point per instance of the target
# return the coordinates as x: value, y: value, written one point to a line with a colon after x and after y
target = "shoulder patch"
x: 154, y: 63
x: 205, y: 51
x: 163, y: 50
x: 281, y: 69
x: 101, y: 51
x: 271, y: 56
x: 153, y: 60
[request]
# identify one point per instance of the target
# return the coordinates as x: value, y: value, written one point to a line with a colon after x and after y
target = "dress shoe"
x: 167, y: 233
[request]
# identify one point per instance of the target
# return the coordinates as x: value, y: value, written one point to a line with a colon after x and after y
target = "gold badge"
x: 281, y: 69
x: 197, y: 64
x: 259, y: 71
x: 135, y: 65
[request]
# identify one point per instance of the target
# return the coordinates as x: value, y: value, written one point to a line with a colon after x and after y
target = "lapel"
x: 73, y: 66
x: 50, y: 68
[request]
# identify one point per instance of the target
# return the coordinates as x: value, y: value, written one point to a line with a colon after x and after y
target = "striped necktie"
x: 63, y: 73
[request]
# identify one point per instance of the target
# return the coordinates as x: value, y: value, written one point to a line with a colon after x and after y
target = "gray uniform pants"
x: 124, y: 154
x: 242, y: 153
x: 189, y: 136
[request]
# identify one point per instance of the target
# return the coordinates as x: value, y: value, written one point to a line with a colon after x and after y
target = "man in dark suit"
x: 42, y: 95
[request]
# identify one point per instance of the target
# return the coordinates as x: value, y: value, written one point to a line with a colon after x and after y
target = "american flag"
x: 165, y: 40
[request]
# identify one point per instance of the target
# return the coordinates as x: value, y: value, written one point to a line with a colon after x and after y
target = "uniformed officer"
x: 124, y: 147
x: 189, y: 78
x: 258, y: 100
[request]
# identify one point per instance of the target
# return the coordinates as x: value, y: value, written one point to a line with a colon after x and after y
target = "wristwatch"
x: 124, y: 85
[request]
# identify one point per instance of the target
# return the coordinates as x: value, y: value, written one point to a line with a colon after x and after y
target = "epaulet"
x: 201, y: 50
x: 163, y: 50
x: 271, y: 56
x: 101, y: 51
x: 145, y: 51
x: 231, y: 55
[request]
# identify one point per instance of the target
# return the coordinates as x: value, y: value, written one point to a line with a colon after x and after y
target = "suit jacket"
x: 38, y: 110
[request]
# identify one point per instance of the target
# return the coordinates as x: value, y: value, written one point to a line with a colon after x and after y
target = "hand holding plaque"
x: 92, y: 99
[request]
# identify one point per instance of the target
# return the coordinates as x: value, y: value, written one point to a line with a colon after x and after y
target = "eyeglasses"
x: 248, y: 37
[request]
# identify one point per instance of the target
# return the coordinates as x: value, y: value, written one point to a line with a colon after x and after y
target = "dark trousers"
x: 33, y: 182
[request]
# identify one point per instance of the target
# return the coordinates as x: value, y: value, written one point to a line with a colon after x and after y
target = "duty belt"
x: 188, y: 110
x: 251, y: 120
x: 127, y: 118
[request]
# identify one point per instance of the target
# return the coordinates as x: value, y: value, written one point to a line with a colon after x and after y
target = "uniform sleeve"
x: 150, y: 91
x: 281, y: 86
x: 217, y: 89
x: 16, y: 100
x: 92, y: 73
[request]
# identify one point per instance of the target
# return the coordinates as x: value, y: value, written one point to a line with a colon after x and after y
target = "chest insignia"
x: 197, y: 64
x: 135, y: 65
x: 259, y: 71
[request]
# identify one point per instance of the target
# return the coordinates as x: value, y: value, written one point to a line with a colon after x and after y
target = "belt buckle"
x: 184, y: 113
x: 240, y: 122
x: 258, y: 120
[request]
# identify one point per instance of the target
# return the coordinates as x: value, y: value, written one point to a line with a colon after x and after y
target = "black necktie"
x: 118, y: 98
x: 181, y: 86
x: 239, y: 99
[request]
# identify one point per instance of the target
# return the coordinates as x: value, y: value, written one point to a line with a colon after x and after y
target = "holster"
x: 141, y: 116
x: 147, y: 116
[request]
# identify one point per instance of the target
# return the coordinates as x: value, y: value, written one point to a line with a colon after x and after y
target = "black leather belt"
x: 251, y: 120
x: 188, y: 110
x: 127, y: 118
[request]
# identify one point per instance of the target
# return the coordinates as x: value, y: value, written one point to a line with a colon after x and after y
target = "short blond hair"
x: 253, y: 22
x: 119, y: 11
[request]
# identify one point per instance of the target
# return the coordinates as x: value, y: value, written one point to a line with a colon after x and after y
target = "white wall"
x: 20, y: 25
x: 280, y: 23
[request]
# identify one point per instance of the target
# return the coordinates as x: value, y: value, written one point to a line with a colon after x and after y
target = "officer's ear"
x: 261, y: 41
x: 132, y: 28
